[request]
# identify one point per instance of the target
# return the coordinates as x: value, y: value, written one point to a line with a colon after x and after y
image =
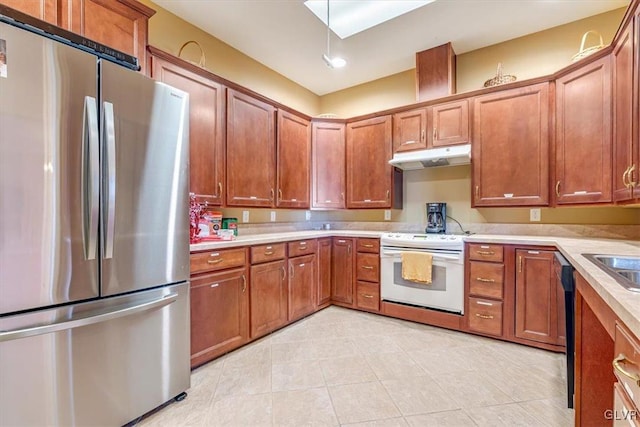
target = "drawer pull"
x: 482, y: 279
x: 366, y: 245
x: 244, y: 283
x: 367, y: 296
x: 534, y: 252
x: 367, y: 267
x: 342, y: 241
x: 215, y: 285
x: 269, y: 247
x: 484, y: 303
x: 623, y: 359
x: 303, y: 243
x: 484, y: 316
x: 301, y: 265
x: 486, y: 253
x: 214, y: 261
x: 268, y: 252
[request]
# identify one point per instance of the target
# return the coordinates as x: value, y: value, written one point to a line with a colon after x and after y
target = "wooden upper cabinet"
x: 328, y: 165
x: 635, y: 174
x: 437, y: 126
x: 449, y: 124
x: 511, y: 147
x: 294, y: 161
x: 623, y: 99
x: 409, y: 130
x: 120, y: 24
x: 435, y: 72
x: 370, y: 178
x: 250, y: 151
x: 206, y: 125
x: 45, y: 10
x: 583, y: 135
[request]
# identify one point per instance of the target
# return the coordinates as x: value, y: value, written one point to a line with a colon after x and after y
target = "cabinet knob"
x: 244, y: 283
x: 220, y: 189
x: 558, y: 189
x: 279, y: 194
x: 618, y: 361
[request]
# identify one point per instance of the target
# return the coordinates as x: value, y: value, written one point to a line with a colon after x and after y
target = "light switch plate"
x: 273, y: 216
x: 387, y: 215
x: 534, y: 214
x: 245, y: 216
x: 307, y: 215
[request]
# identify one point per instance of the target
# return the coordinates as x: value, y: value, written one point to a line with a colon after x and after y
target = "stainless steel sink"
x: 625, y: 269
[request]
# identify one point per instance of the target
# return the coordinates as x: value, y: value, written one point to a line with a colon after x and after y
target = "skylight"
x: 349, y: 17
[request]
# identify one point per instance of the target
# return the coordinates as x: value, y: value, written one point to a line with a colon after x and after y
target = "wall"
x: 168, y: 32
x: 533, y: 55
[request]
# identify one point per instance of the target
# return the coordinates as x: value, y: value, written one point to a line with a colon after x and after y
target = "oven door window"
x: 438, y: 278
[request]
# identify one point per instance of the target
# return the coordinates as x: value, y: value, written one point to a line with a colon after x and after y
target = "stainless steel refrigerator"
x: 94, y: 236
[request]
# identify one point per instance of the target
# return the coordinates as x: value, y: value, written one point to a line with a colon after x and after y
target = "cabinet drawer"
x: 485, y: 279
x: 217, y: 260
x: 303, y: 247
x: 368, y: 245
x: 265, y: 253
x: 368, y: 267
x: 625, y: 412
x: 368, y: 296
x: 485, y: 316
x: 627, y: 363
x: 483, y: 252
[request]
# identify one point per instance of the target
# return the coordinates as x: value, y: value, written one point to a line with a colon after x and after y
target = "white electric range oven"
x: 446, y: 291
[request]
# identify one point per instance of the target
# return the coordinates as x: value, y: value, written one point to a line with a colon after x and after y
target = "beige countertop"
x: 624, y: 303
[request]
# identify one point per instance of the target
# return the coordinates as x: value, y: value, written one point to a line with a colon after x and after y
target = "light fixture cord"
x: 328, y: 31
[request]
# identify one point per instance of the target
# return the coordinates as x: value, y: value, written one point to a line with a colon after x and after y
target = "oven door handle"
x: 435, y: 255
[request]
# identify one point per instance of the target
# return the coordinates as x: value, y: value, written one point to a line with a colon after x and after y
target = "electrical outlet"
x: 273, y: 216
x: 534, y: 214
x: 307, y: 215
x: 387, y: 215
x: 245, y: 216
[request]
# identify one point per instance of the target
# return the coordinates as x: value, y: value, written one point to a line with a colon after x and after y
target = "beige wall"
x: 168, y: 32
x: 541, y: 53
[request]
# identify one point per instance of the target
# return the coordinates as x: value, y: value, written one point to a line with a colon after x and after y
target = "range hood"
x: 434, y: 157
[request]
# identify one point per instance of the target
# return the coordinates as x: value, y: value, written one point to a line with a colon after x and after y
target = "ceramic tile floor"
x: 349, y: 368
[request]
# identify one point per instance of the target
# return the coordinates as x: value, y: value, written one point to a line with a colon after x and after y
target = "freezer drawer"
x: 99, y: 363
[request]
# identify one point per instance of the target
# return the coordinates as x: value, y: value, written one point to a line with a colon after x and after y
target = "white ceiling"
x: 287, y: 37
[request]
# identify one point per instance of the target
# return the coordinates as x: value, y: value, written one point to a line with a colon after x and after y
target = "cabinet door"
x: 206, y: 128
x: 369, y: 174
x: 302, y: 286
x: 324, y: 271
x: 45, y: 10
x: 268, y: 297
x: 342, y: 270
x: 250, y: 151
x: 583, y: 135
x: 536, y: 297
x: 511, y: 147
x: 328, y: 165
x: 120, y: 24
x: 219, y: 314
x: 622, y: 115
x: 409, y: 130
x: 294, y: 157
x: 449, y: 124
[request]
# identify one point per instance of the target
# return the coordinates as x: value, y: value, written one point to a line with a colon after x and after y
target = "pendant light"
x: 335, y: 62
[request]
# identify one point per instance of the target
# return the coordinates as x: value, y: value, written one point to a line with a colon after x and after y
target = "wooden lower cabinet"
x: 367, y: 296
x: 268, y: 297
x: 537, y: 298
x: 219, y: 314
x: 324, y: 272
x: 342, y: 261
x: 302, y: 286
x: 485, y: 316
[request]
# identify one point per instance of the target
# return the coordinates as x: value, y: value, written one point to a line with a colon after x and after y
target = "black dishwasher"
x: 564, y: 273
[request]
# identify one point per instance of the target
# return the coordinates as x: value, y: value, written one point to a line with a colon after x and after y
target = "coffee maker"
x: 436, y: 218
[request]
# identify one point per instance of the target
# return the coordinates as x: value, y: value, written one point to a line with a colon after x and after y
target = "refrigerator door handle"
x: 110, y: 179
x: 90, y: 177
x: 31, y: 331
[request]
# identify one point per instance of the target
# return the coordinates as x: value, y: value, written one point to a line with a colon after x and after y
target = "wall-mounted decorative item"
x: 500, y: 78
x: 200, y: 63
x: 586, y: 51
